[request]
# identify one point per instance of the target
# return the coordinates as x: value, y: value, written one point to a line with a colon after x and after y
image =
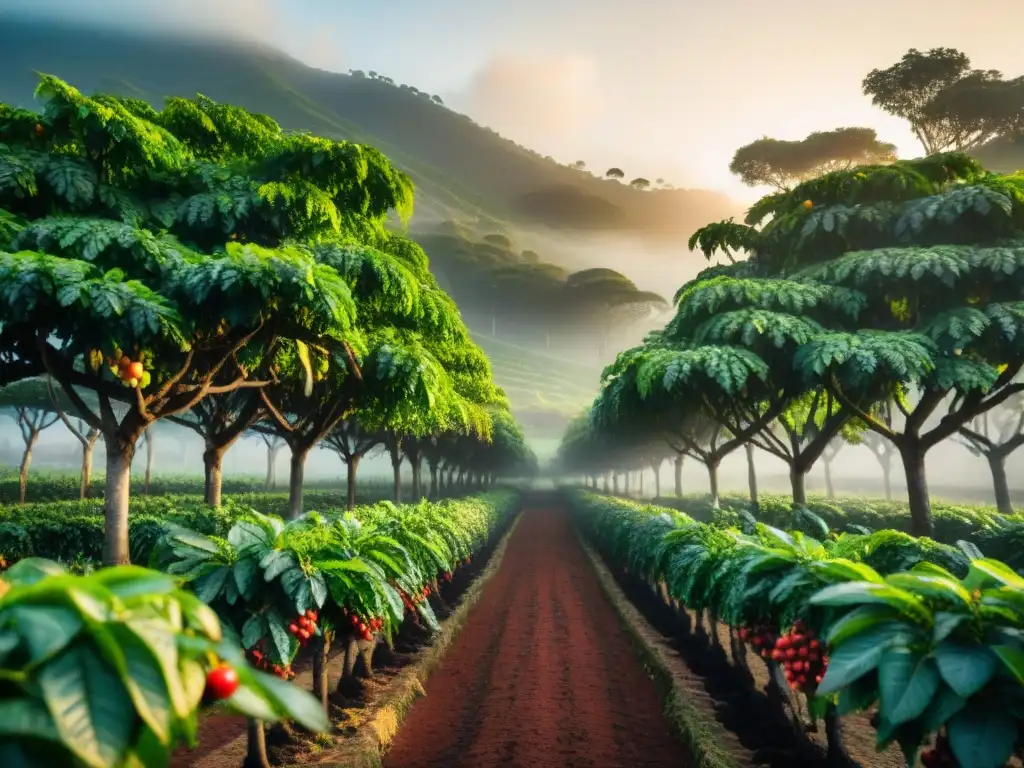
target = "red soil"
x: 541, y: 674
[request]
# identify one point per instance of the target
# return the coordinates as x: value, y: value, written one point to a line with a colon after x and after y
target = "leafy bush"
x: 953, y: 523
x: 937, y: 652
x: 110, y: 669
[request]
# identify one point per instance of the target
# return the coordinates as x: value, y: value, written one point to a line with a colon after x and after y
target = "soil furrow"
x: 542, y: 675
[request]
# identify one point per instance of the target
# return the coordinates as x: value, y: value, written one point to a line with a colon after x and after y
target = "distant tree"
x: 659, y: 181
x: 780, y: 163
x: 615, y: 173
x: 357, y: 73
x: 388, y: 80
x: 640, y: 183
x: 29, y: 404
x: 531, y: 257
x: 372, y: 74
x: 950, y: 107
x: 437, y: 99
x: 579, y: 165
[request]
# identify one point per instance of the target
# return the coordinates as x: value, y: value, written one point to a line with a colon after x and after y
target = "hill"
x: 463, y: 171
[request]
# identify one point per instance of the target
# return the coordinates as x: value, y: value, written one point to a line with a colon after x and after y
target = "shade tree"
x: 149, y: 248
x: 29, y: 404
x: 949, y: 105
x: 994, y: 436
x: 780, y: 164
x: 929, y: 249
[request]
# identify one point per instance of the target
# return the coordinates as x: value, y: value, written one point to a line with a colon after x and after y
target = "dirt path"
x: 541, y: 674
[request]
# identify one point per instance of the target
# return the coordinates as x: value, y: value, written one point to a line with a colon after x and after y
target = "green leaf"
x: 26, y: 718
x: 945, y: 623
x: 862, y: 592
x: 858, y: 695
x: 279, y: 634
x: 163, y: 645
x: 248, y: 702
x: 45, y: 629
x: 966, y: 669
x: 907, y: 681
x: 244, y: 572
x: 252, y: 630
x: 945, y: 703
x: 931, y: 586
x: 841, y: 570
x: 128, y: 582
x: 860, y: 620
x: 1013, y: 660
x: 987, y: 573
x: 295, y: 703
x: 89, y: 705
x: 858, y: 656
x: 143, y: 677
x: 981, y: 738
x: 208, y: 587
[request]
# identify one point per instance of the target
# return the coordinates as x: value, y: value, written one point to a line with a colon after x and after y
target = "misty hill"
x: 463, y: 171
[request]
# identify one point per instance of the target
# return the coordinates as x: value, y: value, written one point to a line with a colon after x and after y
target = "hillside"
x: 463, y: 171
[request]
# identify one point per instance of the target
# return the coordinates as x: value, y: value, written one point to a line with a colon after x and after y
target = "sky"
x: 660, y: 88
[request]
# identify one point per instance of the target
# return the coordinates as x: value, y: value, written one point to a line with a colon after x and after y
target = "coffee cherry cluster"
x: 761, y: 636
x: 447, y: 576
x: 939, y: 756
x: 411, y: 601
x: 303, y: 627
x: 803, y: 658
x: 365, y: 627
x: 261, y: 661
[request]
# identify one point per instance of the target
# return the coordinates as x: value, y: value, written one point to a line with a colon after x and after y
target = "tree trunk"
x: 320, y: 684
x: 657, y: 480
x: 295, y: 478
x: 1000, y: 484
x: 271, y: 480
x: 677, y: 470
x: 256, y: 755
x: 434, y: 484
x: 615, y: 483
x: 830, y: 489
x: 797, y: 481
x: 118, y: 495
x: 149, y: 463
x: 713, y: 483
x: 921, y: 523
x: 751, y: 473
x: 85, y: 478
x: 352, y: 465
x: 887, y: 477
x: 627, y: 483
x: 213, y: 471
x: 26, y: 460
x: 417, y: 488
x: 396, y: 472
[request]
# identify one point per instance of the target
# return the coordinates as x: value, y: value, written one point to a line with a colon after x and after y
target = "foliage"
x: 780, y: 163
x: 110, y: 669
x: 949, y: 105
x: 933, y: 650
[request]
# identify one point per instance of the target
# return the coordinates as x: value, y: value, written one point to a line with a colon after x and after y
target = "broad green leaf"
x: 907, y: 681
x: 128, y: 582
x: 296, y: 704
x: 988, y: 573
x: 841, y: 570
x: 26, y: 717
x: 163, y: 646
x: 858, y: 695
x: 200, y: 616
x: 862, y: 592
x: 142, y: 676
x: 244, y: 534
x: 244, y: 572
x: 858, y: 656
x: 279, y: 634
x: 45, y: 629
x: 859, y: 620
x: 252, y: 630
x: 208, y: 587
x: 931, y: 586
x: 945, y: 623
x: 89, y: 705
x: 966, y: 669
x: 248, y: 702
x: 981, y: 738
x: 1013, y: 660
x: 945, y: 703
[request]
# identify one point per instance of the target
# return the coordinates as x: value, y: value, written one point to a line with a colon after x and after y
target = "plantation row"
x: 134, y: 650
x: 998, y: 536
x: 876, y: 305
x: 927, y: 634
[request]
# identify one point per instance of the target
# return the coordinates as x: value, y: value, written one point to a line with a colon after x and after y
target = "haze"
x: 662, y: 88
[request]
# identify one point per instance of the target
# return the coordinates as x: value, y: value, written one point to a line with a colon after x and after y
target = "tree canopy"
x: 780, y: 164
x: 158, y: 258
x: 885, y: 285
x: 949, y: 105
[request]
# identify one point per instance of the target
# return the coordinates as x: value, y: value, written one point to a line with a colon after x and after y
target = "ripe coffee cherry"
x: 221, y: 682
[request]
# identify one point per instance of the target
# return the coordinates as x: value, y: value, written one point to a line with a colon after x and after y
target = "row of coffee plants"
x: 930, y: 635
x: 347, y: 580
x: 112, y: 669
x: 999, y: 536
x: 73, y: 531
